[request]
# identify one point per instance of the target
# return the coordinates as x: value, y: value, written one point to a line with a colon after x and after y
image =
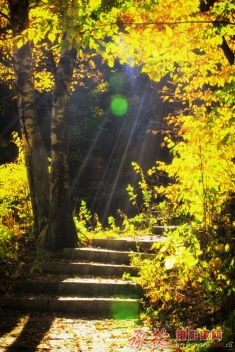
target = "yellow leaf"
x: 169, y: 31
x: 110, y: 61
x: 198, y: 252
x: 227, y: 247
x: 216, y: 262
x: 190, y: 260
x: 165, y: 88
x: 94, y: 3
x: 221, y: 247
x: 19, y: 43
x: 51, y: 36
x: 91, y: 63
x: 166, y: 97
x: 77, y: 40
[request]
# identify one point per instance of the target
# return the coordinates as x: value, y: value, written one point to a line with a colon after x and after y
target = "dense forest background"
x: 102, y: 145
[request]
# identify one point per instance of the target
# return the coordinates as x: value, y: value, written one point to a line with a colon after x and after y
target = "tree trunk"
x: 34, y: 149
x: 62, y: 231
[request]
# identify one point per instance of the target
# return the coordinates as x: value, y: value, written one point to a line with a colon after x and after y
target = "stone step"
x: 81, y: 269
x: 138, y: 243
x: 101, y: 255
x: 100, y: 295
x: 105, y: 307
x: 82, y: 287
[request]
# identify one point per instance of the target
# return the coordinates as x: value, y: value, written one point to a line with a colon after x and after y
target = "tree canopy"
x: 193, y: 42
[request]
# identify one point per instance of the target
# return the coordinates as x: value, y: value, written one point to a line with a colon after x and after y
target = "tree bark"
x: 62, y: 231
x: 33, y: 146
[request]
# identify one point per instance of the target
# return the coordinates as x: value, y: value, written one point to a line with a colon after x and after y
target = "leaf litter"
x: 57, y: 332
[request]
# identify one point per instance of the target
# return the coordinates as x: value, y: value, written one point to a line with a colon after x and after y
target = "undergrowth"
x: 89, y: 227
x: 16, y: 218
x: 190, y: 282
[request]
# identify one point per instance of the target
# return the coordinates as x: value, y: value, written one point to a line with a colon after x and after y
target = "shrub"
x: 16, y: 216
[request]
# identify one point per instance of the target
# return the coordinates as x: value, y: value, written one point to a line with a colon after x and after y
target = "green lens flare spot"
x: 119, y: 105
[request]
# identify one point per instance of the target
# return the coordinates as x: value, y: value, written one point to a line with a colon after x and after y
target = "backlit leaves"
x: 56, y: 25
x: 14, y: 194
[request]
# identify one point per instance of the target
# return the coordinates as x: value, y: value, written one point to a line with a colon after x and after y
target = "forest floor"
x: 20, y: 331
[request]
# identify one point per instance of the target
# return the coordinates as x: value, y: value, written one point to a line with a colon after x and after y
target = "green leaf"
x: 213, y: 190
x: 147, y: 7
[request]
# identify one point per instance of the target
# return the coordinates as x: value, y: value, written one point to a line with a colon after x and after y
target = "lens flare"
x: 119, y: 105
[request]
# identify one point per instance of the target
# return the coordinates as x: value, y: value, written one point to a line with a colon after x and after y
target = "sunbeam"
x: 115, y: 149
x: 87, y: 157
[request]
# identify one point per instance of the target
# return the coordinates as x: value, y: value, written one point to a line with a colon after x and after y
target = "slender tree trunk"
x: 52, y: 199
x: 34, y: 149
x: 62, y: 231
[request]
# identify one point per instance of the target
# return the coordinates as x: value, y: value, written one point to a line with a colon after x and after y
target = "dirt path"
x: 55, y: 332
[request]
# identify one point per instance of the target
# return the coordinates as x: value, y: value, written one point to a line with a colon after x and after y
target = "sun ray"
x: 115, y: 149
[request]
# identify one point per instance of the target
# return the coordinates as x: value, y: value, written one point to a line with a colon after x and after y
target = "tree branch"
x: 168, y: 23
x: 227, y: 52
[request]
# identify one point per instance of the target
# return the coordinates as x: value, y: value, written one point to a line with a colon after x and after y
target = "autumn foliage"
x: 192, y: 44
x: 16, y: 218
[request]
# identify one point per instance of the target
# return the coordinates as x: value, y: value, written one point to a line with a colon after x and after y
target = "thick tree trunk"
x: 62, y: 231
x: 34, y: 149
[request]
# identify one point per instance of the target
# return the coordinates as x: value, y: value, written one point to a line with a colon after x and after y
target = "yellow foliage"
x: 180, y: 40
x: 94, y: 3
x: 44, y: 81
x: 183, y: 42
x: 15, y: 203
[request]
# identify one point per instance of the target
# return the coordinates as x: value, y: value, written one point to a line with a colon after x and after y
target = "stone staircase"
x: 88, y: 281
